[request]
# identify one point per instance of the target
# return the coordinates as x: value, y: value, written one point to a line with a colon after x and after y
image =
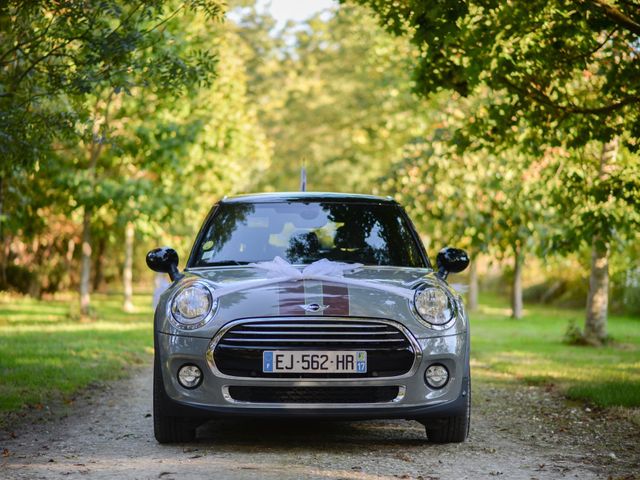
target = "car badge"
x: 313, y: 307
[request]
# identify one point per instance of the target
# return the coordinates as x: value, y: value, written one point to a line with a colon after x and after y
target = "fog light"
x: 189, y: 376
x: 436, y: 375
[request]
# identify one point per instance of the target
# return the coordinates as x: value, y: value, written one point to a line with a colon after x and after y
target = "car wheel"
x: 168, y: 428
x: 454, y: 429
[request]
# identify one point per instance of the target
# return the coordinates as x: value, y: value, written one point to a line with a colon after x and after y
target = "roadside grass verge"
x: 46, y: 354
x: 532, y: 350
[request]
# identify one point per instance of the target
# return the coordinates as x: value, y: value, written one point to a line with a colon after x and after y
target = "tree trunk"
x: 99, y: 263
x: 473, y: 286
x: 35, y: 284
x: 3, y: 253
x: 127, y: 271
x: 85, y: 262
x: 516, y: 289
x: 95, y: 149
x: 595, y: 324
x: 68, y: 282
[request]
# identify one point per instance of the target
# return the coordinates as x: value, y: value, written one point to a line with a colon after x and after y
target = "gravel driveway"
x: 517, y: 432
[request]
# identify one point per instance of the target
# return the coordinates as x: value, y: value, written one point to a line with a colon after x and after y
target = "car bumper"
x: 415, y: 400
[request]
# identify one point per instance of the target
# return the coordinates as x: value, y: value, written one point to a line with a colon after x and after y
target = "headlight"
x: 433, y: 305
x: 192, y: 305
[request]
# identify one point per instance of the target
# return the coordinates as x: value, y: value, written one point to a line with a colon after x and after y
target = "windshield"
x: 302, y: 233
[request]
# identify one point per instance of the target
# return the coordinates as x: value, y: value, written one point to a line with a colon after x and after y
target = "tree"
x: 162, y: 63
x: 52, y: 54
x: 336, y: 94
x: 561, y: 74
x: 602, y: 212
x: 569, y: 69
x: 66, y: 67
x: 480, y: 201
x: 187, y: 151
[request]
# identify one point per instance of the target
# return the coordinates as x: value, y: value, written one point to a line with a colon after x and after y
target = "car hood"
x: 399, y: 276
x: 309, y: 298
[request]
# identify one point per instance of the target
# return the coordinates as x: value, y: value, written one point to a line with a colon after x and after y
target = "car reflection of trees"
x: 224, y: 224
x: 368, y: 234
x: 351, y: 241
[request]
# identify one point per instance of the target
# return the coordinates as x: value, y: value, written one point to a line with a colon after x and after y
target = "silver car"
x: 310, y: 305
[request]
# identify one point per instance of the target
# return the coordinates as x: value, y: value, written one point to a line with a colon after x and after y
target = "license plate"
x: 314, y: 361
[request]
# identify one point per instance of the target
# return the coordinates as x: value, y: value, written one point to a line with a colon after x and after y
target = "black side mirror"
x: 451, y: 260
x: 164, y: 260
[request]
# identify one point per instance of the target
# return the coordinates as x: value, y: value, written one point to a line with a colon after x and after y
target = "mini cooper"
x: 310, y: 305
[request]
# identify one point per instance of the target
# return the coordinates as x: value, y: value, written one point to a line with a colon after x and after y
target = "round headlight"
x: 191, y: 305
x: 433, y: 305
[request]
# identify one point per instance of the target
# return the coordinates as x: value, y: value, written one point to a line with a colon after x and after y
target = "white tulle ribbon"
x: 280, y: 271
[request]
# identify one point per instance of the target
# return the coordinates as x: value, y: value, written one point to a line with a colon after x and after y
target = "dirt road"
x: 517, y: 433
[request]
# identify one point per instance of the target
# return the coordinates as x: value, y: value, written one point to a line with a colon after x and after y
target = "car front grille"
x: 239, y: 352
x: 318, y: 395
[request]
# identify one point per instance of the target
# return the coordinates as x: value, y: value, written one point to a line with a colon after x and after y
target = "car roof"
x: 307, y: 197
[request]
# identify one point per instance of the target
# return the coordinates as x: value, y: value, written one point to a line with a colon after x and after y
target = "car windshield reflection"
x: 303, y: 233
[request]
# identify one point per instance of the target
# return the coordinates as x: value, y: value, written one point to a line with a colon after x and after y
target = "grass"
x: 532, y: 350
x: 46, y: 354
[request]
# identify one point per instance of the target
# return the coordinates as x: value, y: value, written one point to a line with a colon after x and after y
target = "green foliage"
x: 574, y: 334
x: 561, y: 73
x: 159, y: 109
x: 589, y: 204
x: 480, y: 201
x: 335, y: 93
x: 54, y: 55
x: 67, y: 69
x: 160, y: 125
x: 549, y: 78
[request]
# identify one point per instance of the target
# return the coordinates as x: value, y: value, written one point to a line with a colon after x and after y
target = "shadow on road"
x: 290, y: 434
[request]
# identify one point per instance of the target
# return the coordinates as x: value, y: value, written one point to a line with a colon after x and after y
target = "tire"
x: 454, y: 429
x: 168, y: 428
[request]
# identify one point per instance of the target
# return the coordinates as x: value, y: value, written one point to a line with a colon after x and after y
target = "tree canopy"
x: 560, y: 72
x: 55, y: 54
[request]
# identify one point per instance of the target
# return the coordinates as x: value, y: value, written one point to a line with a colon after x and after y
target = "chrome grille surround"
x: 417, y: 351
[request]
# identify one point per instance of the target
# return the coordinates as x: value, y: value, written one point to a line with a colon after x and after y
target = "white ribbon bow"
x: 280, y: 271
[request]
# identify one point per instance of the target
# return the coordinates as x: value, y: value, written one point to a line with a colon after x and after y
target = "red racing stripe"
x: 335, y: 298
x: 291, y: 296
